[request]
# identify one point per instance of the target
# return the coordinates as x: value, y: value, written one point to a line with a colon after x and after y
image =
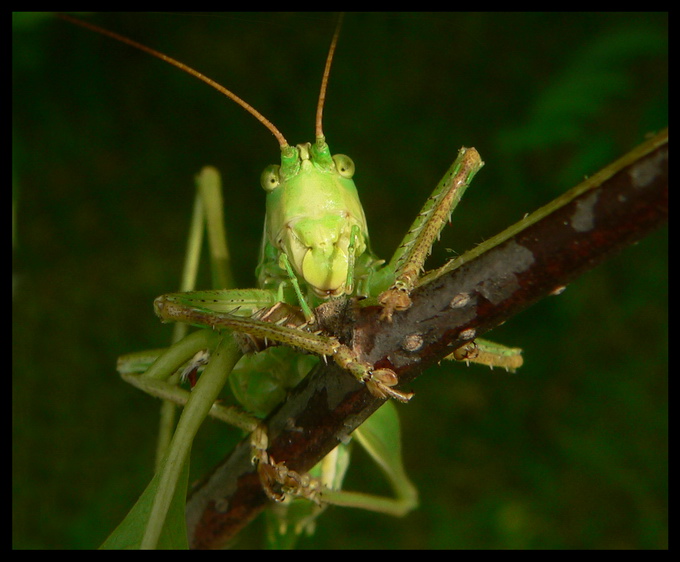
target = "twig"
x: 534, y: 258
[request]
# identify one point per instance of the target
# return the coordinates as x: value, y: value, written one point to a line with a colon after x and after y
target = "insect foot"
x: 276, y: 479
x: 468, y: 352
x: 278, y: 482
x: 380, y: 382
x: 393, y: 300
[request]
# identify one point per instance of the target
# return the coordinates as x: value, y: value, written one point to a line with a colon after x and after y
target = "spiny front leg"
x: 416, y: 246
x: 178, y: 307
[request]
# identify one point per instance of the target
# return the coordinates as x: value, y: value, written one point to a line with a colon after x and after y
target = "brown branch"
x: 476, y: 292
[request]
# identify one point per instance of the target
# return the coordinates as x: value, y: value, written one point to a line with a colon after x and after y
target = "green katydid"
x: 315, y: 249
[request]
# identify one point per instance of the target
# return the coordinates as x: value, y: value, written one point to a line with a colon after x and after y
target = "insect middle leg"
x: 379, y: 436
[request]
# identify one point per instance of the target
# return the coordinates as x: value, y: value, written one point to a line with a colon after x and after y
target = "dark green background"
x: 571, y: 452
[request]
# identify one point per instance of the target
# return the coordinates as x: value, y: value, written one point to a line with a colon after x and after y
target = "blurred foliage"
x: 571, y: 452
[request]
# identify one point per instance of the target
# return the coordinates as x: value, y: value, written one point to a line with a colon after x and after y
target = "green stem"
x: 201, y: 400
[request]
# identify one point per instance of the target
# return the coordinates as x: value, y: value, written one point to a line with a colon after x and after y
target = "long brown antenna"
x: 231, y: 95
x: 324, y: 81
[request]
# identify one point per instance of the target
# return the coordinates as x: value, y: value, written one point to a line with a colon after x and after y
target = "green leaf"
x: 128, y: 535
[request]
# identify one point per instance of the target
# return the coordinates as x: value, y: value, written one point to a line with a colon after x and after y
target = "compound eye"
x: 270, y: 179
x: 344, y: 164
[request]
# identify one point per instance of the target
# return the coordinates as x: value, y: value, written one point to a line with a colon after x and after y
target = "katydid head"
x: 314, y: 216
